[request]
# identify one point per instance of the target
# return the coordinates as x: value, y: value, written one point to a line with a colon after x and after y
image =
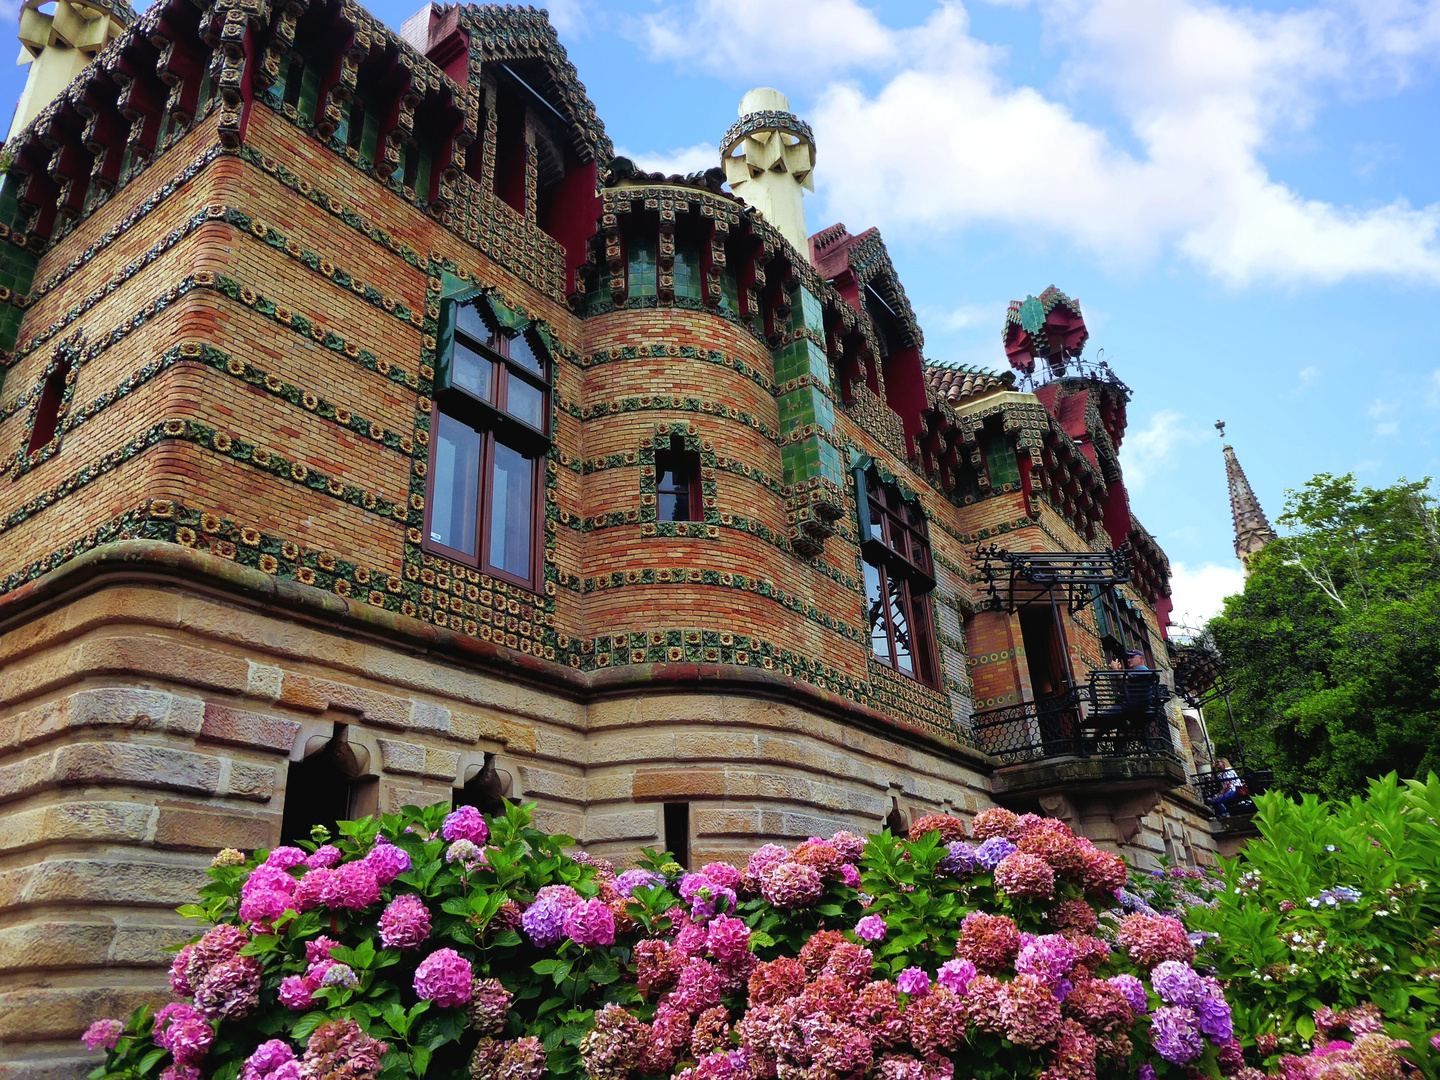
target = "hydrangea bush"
x: 435, y: 943
x: 1327, y: 929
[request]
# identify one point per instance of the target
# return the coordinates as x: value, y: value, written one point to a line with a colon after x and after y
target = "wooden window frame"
x: 694, y: 505
x: 495, y: 426
x: 895, y: 542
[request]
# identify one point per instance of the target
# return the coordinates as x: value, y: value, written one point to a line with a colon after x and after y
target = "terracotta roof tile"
x: 955, y: 384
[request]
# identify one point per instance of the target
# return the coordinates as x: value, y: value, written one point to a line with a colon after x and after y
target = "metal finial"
x: 1220, y: 427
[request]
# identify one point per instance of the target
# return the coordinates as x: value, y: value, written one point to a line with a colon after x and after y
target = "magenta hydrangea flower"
x: 444, y: 977
x: 319, y: 948
x: 850, y: 875
x: 913, y: 981
x: 283, y: 858
x: 387, y: 861
x: 722, y: 874
x: 590, y: 922
x: 870, y: 928
x: 102, y: 1034
x: 404, y: 923
x: 296, y: 992
x: 356, y: 887
x: 465, y: 823
x: 690, y: 886
x: 1049, y: 956
x: 955, y: 975
x: 261, y: 907
x: 268, y: 1058
x: 319, y: 888
x: 326, y: 855
x: 763, y: 858
x: 728, y: 941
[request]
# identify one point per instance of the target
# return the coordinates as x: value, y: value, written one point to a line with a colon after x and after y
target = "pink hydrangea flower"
x: 850, y: 875
x: 267, y: 1061
x: 1024, y: 875
x: 102, y: 1034
x: 590, y: 922
x: 791, y: 885
x: 319, y: 948
x: 444, y: 977
x: 261, y: 907
x: 851, y: 846
x: 405, y: 923
x: 722, y: 874
x: 466, y: 823
x: 870, y: 928
x: 319, y: 888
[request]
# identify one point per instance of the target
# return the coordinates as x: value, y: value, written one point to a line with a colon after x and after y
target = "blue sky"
x: 1245, y: 199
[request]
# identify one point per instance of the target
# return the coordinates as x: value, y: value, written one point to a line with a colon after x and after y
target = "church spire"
x: 1252, y: 527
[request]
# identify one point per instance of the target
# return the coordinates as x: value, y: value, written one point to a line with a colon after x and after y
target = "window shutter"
x: 862, y: 504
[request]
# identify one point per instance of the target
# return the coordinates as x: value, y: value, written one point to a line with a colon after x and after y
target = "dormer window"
x: 489, y: 436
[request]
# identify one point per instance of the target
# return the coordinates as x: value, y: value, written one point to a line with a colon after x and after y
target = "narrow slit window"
x: 47, y: 414
x: 677, y: 483
x: 677, y: 832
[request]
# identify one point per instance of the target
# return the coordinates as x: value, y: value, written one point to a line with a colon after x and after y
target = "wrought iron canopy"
x: 1199, y: 668
x: 1017, y: 578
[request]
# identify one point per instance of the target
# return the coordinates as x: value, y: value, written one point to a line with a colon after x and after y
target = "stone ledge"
x: 1076, y: 775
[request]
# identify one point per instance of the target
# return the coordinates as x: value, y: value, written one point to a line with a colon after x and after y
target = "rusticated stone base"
x: 153, y: 700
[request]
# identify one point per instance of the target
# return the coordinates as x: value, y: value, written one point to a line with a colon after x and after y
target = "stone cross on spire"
x: 1252, y: 527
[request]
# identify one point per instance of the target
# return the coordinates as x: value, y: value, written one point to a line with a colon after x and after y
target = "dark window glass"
x: 687, y: 272
x: 47, y: 413
x: 294, y: 78
x: 677, y: 483
x: 484, y: 482
x: 897, y: 583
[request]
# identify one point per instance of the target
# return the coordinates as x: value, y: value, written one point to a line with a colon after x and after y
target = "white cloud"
x: 1383, y: 412
x: 1308, y: 376
x: 758, y: 41
x: 1198, y: 594
x: 988, y: 316
x: 1148, y: 451
x: 568, y: 17
x: 1203, y: 90
x: 684, y: 160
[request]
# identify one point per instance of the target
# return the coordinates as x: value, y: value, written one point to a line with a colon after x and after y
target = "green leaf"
x: 420, y: 1057
x: 150, y: 1060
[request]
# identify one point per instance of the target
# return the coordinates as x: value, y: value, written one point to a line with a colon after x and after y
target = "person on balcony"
x: 1230, y: 790
x: 1135, y: 661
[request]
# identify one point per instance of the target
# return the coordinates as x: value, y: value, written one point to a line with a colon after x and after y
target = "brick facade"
x: 219, y: 557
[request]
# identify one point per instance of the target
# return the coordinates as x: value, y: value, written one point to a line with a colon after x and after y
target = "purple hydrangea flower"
x: 1177, y: 983
x: 544, y: 922
x: 630, y: 880
x: 961, y: 860
x: 992, y: 851
x: 1133, y: 991
x: 387, y: 861
x: 1215, y: 1020
x: 466, y: 823
x: 1175, y: 1033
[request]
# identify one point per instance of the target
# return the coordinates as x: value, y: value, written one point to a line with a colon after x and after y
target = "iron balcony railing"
x: 1117, y: 714
x: 1241, y: 789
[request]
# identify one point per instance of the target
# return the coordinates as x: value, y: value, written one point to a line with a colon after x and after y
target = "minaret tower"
x: 57, y: 44
x: 769, y: 158
x: 1252, y: 527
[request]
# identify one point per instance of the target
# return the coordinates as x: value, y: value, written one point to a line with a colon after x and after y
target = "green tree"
x: 1332, y: 652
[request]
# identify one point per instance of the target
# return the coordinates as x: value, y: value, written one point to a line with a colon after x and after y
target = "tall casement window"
x: 898, y: 578
x: 677, y: 483
x: 489, y: 434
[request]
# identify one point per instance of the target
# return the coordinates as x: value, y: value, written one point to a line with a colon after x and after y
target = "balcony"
x: 1213, y: 787
x: 1113, y: 731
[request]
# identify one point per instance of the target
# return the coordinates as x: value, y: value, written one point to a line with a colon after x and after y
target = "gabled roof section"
x: 514, y: 36
x: 835, y: 253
